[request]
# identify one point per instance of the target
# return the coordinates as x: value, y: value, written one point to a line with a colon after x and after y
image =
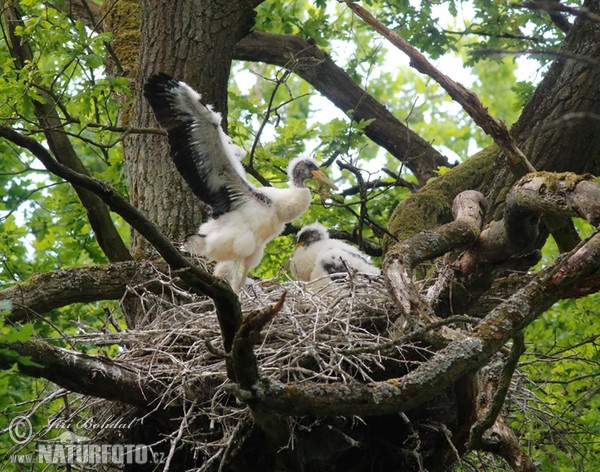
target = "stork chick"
x: 317, y: 255
x: 244, y: 218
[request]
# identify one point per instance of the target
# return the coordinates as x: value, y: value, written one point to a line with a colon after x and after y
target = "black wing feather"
x: 198, y: 145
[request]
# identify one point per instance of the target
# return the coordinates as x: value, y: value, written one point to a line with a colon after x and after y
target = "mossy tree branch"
x: 468, y: 210
x: 45, y: 292
x: 93, y: 375
x: 459, y: 358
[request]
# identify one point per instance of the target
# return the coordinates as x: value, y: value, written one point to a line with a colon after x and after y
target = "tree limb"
x: 98, y: 215
x: 498, y: 386
x: 48, y: 291
x: 552, y: 6
x: 535, y: 195
x: 247, y: 374
x: 94, y: 375
x: 467, y: 99
x: 246, y: 368
x: 491, y: 432
x: 468, y: 210
x: 313, y: 65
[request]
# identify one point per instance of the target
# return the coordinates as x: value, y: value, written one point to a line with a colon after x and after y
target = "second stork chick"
x: 317, y: 255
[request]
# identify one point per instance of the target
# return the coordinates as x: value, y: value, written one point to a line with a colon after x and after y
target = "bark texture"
x: 192, y: 41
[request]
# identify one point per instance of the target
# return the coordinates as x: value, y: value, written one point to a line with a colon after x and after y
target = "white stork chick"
x: 244, y: 218
x: 317, y: 255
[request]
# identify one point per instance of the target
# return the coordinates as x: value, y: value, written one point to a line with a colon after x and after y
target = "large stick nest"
x: 341, y: 331
x: 326, y: 332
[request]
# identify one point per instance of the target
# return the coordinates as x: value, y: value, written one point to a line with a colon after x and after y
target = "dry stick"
x: 467, y: 99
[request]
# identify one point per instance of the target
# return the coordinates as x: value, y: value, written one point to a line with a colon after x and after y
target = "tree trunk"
x: 193, y: 41
x: 557, y: 129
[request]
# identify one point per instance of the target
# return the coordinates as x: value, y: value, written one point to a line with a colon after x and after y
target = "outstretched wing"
x: 203, y: 154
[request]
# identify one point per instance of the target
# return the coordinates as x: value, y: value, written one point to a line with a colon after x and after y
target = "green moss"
x: 559, y: 181
x: 122, y: 19
x: 432, y: 205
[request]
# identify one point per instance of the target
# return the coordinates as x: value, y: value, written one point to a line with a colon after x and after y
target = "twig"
x: 265, y: 119
x: 174, y: 441
x: 413, y: 336
x: 555, y: 6
x: 363, y: 197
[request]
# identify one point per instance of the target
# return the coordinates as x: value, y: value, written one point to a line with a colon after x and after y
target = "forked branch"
x: 468, y: 211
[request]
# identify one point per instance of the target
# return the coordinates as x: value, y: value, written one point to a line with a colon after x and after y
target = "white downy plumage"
x: 317, y: 255
x: 244, y: 218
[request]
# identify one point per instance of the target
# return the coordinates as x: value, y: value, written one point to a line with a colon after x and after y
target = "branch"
x: 512, y: 243
x: 555, y: 7
x: 303, y: 58
x: 247, y: 374
x: 91, y: 375
x: 98, y: 215
x: 86, y: 11
x: 45, y: 292
x: 246, y: 368
x: 226, y: 302
x: 467, y: 99
x: 363, y: 213
x: 490, y: 432
x: 379, y: 183
x: 493, y: 401
x: 535, y: 195
x: 468, y: 210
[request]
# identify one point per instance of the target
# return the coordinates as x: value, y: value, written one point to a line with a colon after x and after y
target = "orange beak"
x: 319, y: 176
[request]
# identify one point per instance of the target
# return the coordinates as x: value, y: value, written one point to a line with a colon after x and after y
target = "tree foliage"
x: 63, y: 85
